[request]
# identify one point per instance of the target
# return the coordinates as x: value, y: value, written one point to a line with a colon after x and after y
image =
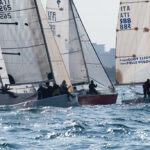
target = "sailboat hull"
x: 97, y: 99
x: 136, y: 101
x: 7, y: 99
x: 56, y: 101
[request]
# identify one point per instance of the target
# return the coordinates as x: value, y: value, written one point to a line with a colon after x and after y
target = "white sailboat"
x: 80, y: 58
x: 132, y: 46
x: 29, y: 52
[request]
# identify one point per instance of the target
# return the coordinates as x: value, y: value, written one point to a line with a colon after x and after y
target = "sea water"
x: 112, y: 127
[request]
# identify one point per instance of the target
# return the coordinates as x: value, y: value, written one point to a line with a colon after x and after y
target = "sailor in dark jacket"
x: 42, y: 93
x: 92, y: 87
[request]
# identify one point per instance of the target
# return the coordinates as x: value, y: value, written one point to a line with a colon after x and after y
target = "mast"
x: 91, y: 45
x: 70, y: 1
x: 45, y: 43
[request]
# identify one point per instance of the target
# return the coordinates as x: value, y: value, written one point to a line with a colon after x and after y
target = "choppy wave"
x: 109, y: 127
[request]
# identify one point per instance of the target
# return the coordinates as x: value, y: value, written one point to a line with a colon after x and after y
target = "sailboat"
x: 28, y: 53
x: 79, y: 55
x: 132, y: 46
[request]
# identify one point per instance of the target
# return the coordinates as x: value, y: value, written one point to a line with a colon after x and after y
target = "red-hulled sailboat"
x: 79, y: 55
x: 100, y: 99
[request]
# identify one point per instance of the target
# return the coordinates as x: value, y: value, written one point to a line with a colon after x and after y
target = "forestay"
x: 133, y: 42
x: 62, y: 24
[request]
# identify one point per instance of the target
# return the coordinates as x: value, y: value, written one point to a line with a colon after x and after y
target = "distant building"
x: 99, y: 48
x: 107, y: 58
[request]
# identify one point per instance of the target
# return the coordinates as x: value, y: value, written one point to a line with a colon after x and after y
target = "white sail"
x: 95, y: 69
x: 133, y: 42
x: 78, y: 53
x: 59, y: 69
x: 3, y: 73
x: 21, y: 34
x: 62, y: 24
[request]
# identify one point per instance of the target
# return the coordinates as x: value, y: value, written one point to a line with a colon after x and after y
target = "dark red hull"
x: 97, y: 99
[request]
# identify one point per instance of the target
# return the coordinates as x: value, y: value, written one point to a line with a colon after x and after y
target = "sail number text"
x: 134, y: 61
x: 125, y: 20
x: 5, y: 7
x: 52, y: 19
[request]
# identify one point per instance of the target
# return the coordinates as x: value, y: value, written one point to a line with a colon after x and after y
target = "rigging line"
x: 135, y: 2
x: 23, y: 47
x: 19, y: 10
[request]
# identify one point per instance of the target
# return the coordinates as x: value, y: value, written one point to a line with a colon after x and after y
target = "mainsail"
x: 133, y: 42
x: 78, y: 53
x: 22, y: 42
x: 28, y: 43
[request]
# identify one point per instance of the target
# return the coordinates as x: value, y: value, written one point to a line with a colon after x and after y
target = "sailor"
x: 56, y: 89
x: 50, y: 76
x: 49, y: 90
x: 75, y: 89
x: 92, y: 87
x: 63, y: 88
x: 146, y: 88
x: 41, y: 92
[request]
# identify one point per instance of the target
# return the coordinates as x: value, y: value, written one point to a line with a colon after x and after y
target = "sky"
x: 100, y: 20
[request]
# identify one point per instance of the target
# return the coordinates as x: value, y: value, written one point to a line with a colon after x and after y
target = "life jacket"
x: 56, y: 92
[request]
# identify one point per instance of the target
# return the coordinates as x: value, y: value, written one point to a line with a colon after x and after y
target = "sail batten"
x: 136, y: 1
